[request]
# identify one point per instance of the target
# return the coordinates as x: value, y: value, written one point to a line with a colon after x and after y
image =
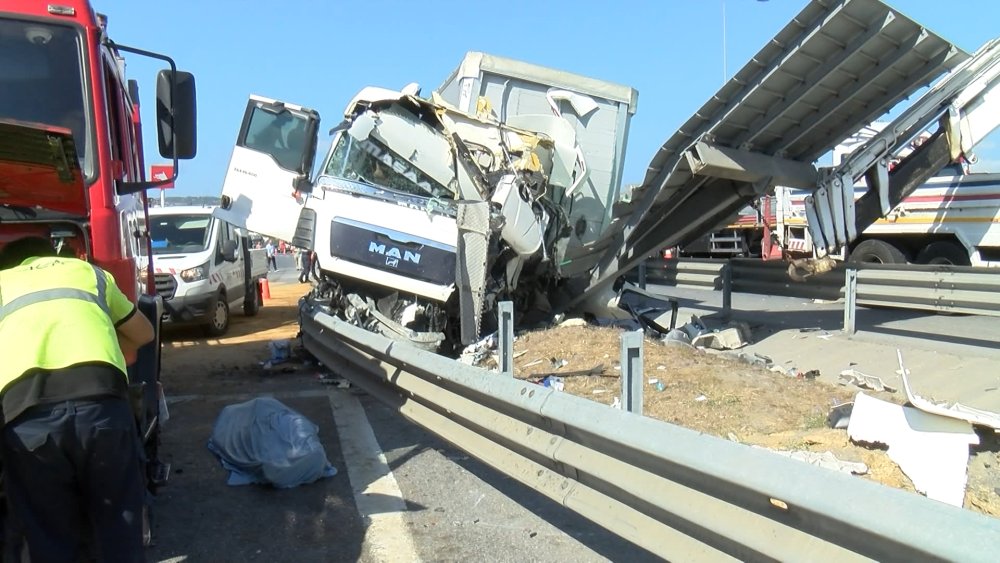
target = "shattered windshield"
x: 41, y: 80
x: 371, y: 162
x: 179, y: 234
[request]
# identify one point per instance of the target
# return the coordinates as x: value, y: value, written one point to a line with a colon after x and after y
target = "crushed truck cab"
x: 203, y: 266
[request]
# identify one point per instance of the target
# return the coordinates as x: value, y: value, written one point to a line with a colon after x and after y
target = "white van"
x: 203, y: 267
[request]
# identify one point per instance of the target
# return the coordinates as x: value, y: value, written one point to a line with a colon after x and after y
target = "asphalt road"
x: 401, y: 494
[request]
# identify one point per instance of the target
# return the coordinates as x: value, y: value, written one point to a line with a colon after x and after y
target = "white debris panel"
x: 932, y: 450
x: 955, y: 410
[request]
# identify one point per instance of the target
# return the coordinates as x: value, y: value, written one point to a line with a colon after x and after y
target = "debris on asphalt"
x: 825, y: 459
x: 955, y: 410
x: 840, y: 415
x: 932, y: 450
x: 863, y: 380
x: 281, y: 352
x: 751, y: 358
x: 729, y: 338
x: 700, y: 334
x: 331, y: 379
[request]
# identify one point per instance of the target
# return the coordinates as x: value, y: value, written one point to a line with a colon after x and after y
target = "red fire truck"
x: 71, y: 160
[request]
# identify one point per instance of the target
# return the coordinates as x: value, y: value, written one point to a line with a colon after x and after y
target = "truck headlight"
x: 197, y: 273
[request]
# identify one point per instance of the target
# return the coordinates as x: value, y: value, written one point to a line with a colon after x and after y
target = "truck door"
x: 267, y: 182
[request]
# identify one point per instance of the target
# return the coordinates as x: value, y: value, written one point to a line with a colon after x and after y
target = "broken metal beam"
x: 746, y: 166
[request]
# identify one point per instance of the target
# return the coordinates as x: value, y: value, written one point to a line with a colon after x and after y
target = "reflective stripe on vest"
x: 101, y: 299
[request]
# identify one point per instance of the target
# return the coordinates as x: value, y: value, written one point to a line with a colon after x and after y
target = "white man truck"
x: 504, y: 183
x: 203, y: 267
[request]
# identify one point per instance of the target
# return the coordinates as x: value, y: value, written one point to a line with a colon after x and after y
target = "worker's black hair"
x: 17, y: 251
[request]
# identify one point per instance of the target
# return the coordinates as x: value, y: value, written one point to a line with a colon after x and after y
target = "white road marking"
x: 376, y: 493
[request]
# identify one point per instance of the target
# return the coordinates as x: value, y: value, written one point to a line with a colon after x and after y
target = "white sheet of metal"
x: 837, y: 66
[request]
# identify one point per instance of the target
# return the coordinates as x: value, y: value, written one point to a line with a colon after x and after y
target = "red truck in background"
x: 72, y: 165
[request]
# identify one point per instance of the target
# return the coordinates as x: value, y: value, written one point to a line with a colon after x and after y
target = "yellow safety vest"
x: 56, y: 313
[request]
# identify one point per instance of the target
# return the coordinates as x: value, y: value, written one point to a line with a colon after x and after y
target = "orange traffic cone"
x: 265, y: 289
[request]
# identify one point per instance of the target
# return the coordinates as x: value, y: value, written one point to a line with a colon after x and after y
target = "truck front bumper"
x: 188, y: 309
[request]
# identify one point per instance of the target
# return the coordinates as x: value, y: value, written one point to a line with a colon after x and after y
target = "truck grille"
x: 166, y: 285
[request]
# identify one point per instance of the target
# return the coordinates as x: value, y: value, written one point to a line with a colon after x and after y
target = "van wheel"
x: 251, y: 303
x: 944, y: 252
x: 874, y: 251
x: 218, y: 323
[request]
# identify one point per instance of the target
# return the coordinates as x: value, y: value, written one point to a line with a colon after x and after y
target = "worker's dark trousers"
x: 73, y: 477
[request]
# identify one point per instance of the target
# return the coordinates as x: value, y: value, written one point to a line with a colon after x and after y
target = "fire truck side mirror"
x: 176, y: 114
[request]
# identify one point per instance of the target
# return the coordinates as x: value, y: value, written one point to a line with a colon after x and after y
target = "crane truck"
x: 72, y: 167
x: 504, y: 183
x: 949, y: 219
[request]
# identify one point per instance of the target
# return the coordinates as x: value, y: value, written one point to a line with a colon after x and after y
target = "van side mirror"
x: 229, y: 251
x: 176, y: 114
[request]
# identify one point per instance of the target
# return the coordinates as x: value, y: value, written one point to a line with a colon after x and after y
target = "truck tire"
x: 251, y: 303
x: 875, y: 251
x: 218, y: 321
x: 944, y: 252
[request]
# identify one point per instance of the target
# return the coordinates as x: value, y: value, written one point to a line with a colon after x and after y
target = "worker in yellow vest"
x: 70, y: 444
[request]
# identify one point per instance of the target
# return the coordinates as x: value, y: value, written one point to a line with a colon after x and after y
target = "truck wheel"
x: 218, y: 323
x: 251, y: 303
x: 944, y: 252
x: 874, y: 251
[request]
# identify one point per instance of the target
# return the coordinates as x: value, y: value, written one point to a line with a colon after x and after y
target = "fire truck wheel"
x: 218, y: 323
x: 874, y: 251
x: 944, y: 252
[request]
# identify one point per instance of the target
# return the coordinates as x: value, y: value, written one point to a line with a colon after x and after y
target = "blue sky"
x: 320, y: 53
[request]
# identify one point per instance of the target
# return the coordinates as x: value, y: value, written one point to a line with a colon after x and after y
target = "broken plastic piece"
x: 955, y: 410
x: 932, y: 450
x: 864, y: 380
x: 840, y: 415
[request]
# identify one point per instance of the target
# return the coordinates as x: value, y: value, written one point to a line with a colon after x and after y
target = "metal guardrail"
x: 951, y: 289
x: 678, y: 493
x: 940, y: 288
x: 749, y: 275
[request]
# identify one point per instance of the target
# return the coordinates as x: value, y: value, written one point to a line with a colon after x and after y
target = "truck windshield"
x: 179, y: 234
x: 41, y: 80
x: 371, y: 162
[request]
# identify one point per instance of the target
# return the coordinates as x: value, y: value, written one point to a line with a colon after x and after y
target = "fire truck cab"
x: 71, y: 159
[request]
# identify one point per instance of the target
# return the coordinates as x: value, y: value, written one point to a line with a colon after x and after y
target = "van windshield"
x: 177, y: 234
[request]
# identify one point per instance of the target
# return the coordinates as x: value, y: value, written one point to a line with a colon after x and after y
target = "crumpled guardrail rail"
x: 680, y: 494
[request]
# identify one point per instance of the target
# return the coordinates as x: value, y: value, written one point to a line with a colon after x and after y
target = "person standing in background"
x: 272, y: 260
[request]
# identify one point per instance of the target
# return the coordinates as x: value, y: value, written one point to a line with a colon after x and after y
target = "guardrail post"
x: 631, y: 360
x: 642, y: 274
x: 850, y: 300
x: 727, y: 288
x: 506, y: 336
